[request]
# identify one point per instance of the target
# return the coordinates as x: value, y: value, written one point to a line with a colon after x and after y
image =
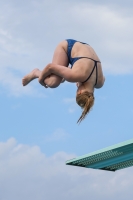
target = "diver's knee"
x: 52, y: 83
x: 53, y: 86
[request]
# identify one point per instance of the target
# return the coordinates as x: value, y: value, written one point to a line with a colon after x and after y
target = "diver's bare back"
x: 84, y: 50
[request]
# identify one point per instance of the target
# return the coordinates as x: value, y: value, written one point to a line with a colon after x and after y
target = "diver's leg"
x: 31, y: 76
x: 52, y: 81
x: 60, y: 58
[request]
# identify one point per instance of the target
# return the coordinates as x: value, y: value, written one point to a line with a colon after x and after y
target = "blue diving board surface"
x: 112, y: 158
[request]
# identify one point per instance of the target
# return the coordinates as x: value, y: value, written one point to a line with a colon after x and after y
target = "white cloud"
x: 27, y: 173
x: 111, y: 32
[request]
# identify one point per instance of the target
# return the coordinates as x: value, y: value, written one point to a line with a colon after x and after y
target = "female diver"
x: 85, y: 71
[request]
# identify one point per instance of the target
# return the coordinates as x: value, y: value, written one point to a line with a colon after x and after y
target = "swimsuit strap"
x: 95, y: 66
x: 71, y: 42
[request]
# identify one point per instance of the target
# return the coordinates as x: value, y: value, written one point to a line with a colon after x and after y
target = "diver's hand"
x: 42, y: 83
x: 45, y: 73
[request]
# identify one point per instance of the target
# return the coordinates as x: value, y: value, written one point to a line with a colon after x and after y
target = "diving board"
x: 112, y: 158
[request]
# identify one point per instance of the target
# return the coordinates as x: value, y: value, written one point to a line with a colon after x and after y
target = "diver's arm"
x: 62, y: 71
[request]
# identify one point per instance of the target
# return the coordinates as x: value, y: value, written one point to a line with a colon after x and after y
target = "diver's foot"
x: 30, y: 77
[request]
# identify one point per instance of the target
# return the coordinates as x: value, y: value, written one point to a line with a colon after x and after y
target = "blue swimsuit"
x: 73, y: 60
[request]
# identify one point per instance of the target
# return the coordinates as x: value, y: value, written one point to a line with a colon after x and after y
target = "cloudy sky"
x: 38, y: 131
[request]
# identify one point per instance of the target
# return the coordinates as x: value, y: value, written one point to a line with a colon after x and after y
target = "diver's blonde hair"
x: 85, y: 100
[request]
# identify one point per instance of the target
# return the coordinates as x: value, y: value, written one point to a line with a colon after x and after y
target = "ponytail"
x: 85, y: 101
